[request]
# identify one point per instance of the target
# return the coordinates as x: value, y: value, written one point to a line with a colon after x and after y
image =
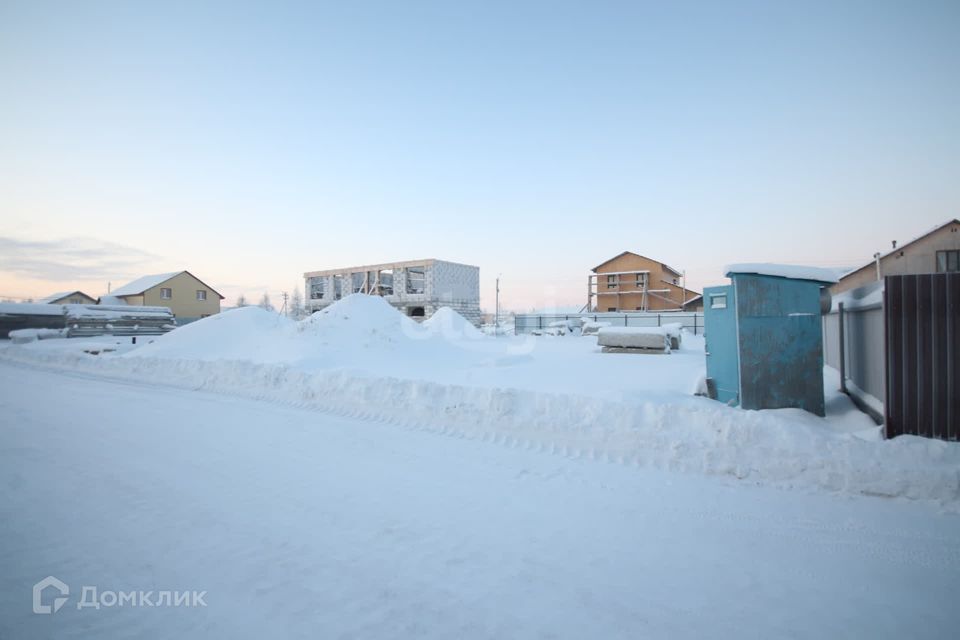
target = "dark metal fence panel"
x: 922, y: 317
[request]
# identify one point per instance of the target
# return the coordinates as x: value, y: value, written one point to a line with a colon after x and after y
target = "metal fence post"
x: 843, y: 351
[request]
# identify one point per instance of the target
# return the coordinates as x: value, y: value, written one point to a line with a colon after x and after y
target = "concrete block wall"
x: 447, y: 284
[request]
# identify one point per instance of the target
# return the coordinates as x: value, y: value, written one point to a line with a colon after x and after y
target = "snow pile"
x: 245, y: 333
x: 783, y: 271
x: 787, y: 448
x: 360, y: 319
x: 452, y: 326
x: 362, y: 357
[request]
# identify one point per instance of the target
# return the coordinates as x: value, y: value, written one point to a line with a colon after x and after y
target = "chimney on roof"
x: 894, y: 243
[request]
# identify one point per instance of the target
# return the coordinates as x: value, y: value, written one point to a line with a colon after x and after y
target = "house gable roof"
x: 631, y: 253
x: 62, y: 294
x: 140, y: 285
x: 617, y: 257
x: 955, y: 221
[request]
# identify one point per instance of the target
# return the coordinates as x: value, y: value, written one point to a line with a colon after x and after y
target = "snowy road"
x: 303, y: 524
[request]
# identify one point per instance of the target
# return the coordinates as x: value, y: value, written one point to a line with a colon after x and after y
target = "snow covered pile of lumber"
x: 592, y: 328
x: 675, y: 333
x: 637, y: 338
x: 23, y: 336
x: 96, y: 320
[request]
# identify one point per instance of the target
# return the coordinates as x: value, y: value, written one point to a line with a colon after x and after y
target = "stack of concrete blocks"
x: 445, y: 284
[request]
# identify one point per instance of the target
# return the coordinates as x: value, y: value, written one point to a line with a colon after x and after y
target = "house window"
x: 201, y: 294
x: 416, y: 280
x: 948, y: 261
x: 612, y: 309
x: 718, y: 301
x: 357, y: 281
x: 318, y: 288
x: 166, y: 294
x: 385, y: 278
x: 640, y: 280
x: 611, y: 282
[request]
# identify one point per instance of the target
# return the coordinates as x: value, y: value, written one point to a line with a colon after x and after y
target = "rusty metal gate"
x: 922, y: 319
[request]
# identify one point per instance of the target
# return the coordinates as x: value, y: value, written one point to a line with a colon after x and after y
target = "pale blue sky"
x: 252, y: 142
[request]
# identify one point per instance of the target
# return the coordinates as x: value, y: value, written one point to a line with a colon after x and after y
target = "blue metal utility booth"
x: 764, y: 337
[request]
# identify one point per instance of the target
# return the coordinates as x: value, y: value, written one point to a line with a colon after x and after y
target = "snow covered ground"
x: 302, y: 523
x: 560, y: 394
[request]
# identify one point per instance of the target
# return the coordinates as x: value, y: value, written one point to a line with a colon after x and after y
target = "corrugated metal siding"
x: 922, y: 315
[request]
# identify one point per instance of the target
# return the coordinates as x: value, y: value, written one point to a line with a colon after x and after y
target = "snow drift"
x: 786, y: 448
x: 362, y: 357
x: 452, y: 326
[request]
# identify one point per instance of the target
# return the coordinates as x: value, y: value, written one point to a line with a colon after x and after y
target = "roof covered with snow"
x: 140, y: 285
x: 32, y: 309
x: 55, y: 296
x: 63, y: 294
x: 795, y: 272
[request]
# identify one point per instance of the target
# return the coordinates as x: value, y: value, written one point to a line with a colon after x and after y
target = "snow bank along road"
x: 299, y: 523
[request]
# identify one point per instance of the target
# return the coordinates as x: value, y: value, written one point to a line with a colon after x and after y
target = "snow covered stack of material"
x: 675, y: 333
x: 23, y: 336
x: 15, y: 316
x: 592, y: 328
x: 639, y: 339
x: 85, y: 320
x: 450, y: 325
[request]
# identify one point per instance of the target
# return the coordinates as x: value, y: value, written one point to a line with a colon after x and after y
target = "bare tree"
x: 265, y: 302
x: 241, y: 300
x: 296, y: 304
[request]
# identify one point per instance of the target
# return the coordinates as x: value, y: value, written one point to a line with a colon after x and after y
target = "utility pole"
x: 284, y: 307
x: 496, y: 319
x: 684, y: 296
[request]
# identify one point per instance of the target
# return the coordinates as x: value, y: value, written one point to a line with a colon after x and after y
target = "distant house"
x: 417, y: 288
x: 631, y: 282
x: 188, y: 297
x: 68, y: 297
x: 936, y: 251
x: 694, y: 304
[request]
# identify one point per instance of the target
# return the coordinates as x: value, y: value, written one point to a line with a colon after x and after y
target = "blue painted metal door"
x: 720, y: 331
x: 781, y: 346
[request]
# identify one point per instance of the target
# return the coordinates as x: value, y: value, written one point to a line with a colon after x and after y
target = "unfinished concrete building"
x: 416, y: 287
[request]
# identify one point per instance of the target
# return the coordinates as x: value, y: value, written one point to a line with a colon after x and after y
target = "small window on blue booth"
x: 718, y: 301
